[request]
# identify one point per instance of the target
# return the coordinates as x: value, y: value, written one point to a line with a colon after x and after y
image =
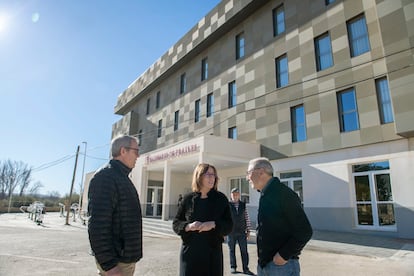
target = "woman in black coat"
x: 203, y: 219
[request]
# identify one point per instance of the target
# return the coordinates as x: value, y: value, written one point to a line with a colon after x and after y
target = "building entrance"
x: 154, y: 202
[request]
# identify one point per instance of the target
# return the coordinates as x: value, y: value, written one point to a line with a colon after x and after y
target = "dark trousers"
x: 201, y: 259
x: 241, y: 239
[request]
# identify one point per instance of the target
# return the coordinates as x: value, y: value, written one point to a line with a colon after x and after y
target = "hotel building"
x: 324, y: 89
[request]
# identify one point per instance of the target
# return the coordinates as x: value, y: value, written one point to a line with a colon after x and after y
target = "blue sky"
x: 62, y: 65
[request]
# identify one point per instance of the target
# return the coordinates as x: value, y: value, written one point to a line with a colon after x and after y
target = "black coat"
x: 201, y: 253
x: 282, y: 223
x: 115, y: 225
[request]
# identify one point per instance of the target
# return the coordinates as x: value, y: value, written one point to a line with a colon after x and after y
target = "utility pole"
x: 71, y: 187
x: 81, y: 184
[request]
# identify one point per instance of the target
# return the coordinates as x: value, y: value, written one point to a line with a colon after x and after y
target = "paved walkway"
x: 54, y: 248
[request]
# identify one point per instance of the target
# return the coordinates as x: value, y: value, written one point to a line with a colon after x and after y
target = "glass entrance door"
x: 154, y: 202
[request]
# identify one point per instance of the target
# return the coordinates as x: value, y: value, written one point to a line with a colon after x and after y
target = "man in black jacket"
x: 283, y: 228
x: 115, y: 224
x: 240, y: 232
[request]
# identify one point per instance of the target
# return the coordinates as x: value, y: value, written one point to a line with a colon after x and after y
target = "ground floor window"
x: 243, y: 185
x: 373, y: 195
x: 294, y: 181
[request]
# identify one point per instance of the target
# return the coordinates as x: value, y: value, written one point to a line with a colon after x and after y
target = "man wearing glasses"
x: 283, y: 228
x: 115, y: 224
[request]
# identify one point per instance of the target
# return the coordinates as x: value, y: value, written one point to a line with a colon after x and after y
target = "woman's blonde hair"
x: 199, y: 171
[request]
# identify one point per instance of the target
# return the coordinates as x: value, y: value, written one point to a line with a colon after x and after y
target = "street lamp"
x: 83, y: 172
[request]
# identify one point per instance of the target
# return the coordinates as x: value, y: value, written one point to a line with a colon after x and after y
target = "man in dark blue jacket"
x: 115, y: 224
x: 283, y: 228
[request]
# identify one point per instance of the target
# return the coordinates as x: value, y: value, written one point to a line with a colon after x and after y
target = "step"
x: 158, y: 226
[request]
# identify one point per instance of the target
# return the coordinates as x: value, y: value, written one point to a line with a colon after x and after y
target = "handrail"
x: 21, y: 209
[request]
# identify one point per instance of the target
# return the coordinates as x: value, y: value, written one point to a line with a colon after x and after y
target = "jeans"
x: 242, y: 240
x: 291, y: 268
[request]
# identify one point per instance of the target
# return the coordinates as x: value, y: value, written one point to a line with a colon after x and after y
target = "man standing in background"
x: 240, y: 233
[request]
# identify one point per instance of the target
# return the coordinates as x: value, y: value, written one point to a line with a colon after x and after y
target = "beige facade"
x: 274, y: 73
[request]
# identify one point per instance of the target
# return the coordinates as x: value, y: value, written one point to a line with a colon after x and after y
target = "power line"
x: 148, y: 133
x: 97, y: 158
x: 52, y: 164
x: 66, y: 158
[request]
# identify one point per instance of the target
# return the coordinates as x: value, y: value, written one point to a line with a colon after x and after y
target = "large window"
x: 204, y: 69
x: 373, y: 195
x: 183, y: 84
x: 384, y: 101
x: 294, y: 181
x: 232, y: 94
x: 197, y: 111
x: 159, y: 130
x: 210, y: 104
x: 358, y: 36
x: 323, y: 52
x: 240, y: 46
x: 176, y: 119
x: 232, y: 133
x: 298, y: 122
x: 278, y: 21
x: 348, y: 111
x: 243, y: 185
x: 282, y: 71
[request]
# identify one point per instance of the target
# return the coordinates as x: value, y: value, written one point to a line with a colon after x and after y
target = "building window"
x: 282, y: 72
x: 159, y: 130
x: 197, y: 111
x: 210, y: 104
x: 384, y: 101
x: 373, y: 195
x: 323, y: 52
x: 298, y: 122
x: 327, y: 2
x: 233, y: 133
x: 140, y: 137
x: 243, y: 185
x: 176, y: 117
x: 148, y: 105
x: 294, y: 181
x: 348, y: 112
x: 183, y: 84
x: 278, y: 20
x: 158, y: 100
x: 358, y: 36
x: 204, y: 69
x: 240, y: 46
x: 232, y: 94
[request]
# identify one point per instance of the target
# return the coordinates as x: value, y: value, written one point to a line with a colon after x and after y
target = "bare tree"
x: 34, y: 188
x: 2, y: 180
x: 14, y: 175
x: 54, y: 195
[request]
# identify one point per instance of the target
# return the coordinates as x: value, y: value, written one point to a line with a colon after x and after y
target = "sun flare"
x: 3, y: 23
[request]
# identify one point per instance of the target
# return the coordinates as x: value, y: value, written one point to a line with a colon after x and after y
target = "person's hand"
x: 194, y: 226
x: 278, y: 260
x: 247, y: 235
x: 207, y: 226
x: 115, y: 271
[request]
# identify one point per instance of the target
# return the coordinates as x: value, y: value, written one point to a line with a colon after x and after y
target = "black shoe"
x: 233, y: 270
x: 248, y: 272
